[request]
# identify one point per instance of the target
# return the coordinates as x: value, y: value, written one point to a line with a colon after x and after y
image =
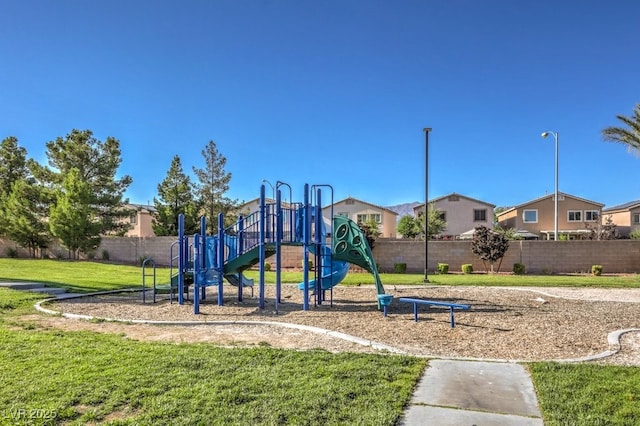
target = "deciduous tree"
x: 407, y: 227
x: 489, y: 246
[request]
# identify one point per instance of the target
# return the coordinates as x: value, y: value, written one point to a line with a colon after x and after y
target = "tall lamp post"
x: 555, y: 204
x: 426, y: 202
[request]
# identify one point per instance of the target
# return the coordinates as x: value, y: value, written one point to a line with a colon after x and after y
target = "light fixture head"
x: 545, y: 134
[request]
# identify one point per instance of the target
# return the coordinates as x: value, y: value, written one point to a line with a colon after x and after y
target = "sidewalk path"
x: 459, y: 393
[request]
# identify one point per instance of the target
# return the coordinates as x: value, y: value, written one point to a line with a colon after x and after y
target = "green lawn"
x: 95, y: 276
x: 83, y: 377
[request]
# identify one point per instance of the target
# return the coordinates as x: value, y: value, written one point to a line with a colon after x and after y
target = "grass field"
x: 55, y: 377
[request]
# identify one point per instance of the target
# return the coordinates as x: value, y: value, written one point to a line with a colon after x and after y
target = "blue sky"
x: 335, y: 92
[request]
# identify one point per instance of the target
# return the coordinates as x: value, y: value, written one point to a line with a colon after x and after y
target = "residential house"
x: 140, y: 220
x: 576, y: 216
x: 356, y: 210
x: 626, y: 217
x: 361, y: 211
x: 461, y: 214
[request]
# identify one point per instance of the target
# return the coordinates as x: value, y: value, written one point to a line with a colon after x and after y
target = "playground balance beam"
x: 417, y: 302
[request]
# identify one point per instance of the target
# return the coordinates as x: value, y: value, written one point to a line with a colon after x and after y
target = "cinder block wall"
x: 616, y: 256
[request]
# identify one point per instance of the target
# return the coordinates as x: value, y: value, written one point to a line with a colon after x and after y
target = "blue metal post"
x: 239, y: 251
x: 318, y: 244
x: 306, y: 231
x: 263, y: 218
x: 196, y: 274
x: 203, y: 256
x: 220, y: 259
x: 278, y: 243
x: 181, y: 259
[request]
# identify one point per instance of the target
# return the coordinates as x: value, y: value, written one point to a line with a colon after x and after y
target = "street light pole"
x: 426, y: 202
x: 555, y: 204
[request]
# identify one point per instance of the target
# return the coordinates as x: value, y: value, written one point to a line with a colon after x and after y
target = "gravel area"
x: 520, y: 324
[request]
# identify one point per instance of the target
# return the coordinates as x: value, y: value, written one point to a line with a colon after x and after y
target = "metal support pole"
x: 426, y: 202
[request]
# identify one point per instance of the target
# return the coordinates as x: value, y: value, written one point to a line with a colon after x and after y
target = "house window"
x: 453, y: 198
x: 635, y: 218
x: 374, y: 217
x: 591, y: 215
x: 133, y: 219
x: 442, y: 215
x: 480, y: 215
x: 530, y: 216
x: 350, y: 201
x: 574, y: 216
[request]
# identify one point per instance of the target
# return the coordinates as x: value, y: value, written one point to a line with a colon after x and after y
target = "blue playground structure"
x: 203, y: 261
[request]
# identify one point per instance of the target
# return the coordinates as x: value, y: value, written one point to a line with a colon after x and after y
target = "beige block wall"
x: 616, y: 256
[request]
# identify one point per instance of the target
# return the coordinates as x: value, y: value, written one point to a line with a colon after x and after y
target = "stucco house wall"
x: 545, y: 208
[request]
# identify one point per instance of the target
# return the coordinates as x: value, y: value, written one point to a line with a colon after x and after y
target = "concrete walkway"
x: 459, y: 393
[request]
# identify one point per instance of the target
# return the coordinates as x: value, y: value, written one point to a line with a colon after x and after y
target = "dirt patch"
x: 512, y: 324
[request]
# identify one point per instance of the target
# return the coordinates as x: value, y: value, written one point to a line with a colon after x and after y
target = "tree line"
x: 77, y: 197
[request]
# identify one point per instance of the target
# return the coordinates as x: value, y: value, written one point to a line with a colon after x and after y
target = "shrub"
x: 467, y: 268
x: 12, y: 252
x: 443, y: 268
x: 400, y: 268
x: 105, y: 254
x: 635, y: 235
x: 267, y: 266
x: 596, y: 270
x: 91, y: 255
x: 518, y: 269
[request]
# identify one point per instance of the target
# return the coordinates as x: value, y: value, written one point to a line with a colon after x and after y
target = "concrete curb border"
x: 336, y: 334
x: 613, y: 338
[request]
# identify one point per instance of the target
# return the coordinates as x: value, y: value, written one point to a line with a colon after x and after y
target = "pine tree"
x: 175, y: 196
x: 96, y: 163
x: 71, y: 219
x: 213, y: 183
x: 13, y: 167
x: 26, y: 217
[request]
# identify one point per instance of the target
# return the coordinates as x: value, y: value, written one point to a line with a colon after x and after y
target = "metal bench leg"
x: 451, y: 319
x: 415, y: 312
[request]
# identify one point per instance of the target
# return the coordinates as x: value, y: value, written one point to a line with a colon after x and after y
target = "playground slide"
x: 234, y: 279
x: 338, y: 270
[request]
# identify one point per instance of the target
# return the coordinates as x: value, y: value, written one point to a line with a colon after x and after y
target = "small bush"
x: 91, y: 255
x: 443, y: 268
x: 267, y: 266
x: 596, y: 270
x: 467, y: 268
x: 518, y: 269
x: 12, y: 252
x: 635, y: 235
x: 105, y: 254
x: 400, y: 268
